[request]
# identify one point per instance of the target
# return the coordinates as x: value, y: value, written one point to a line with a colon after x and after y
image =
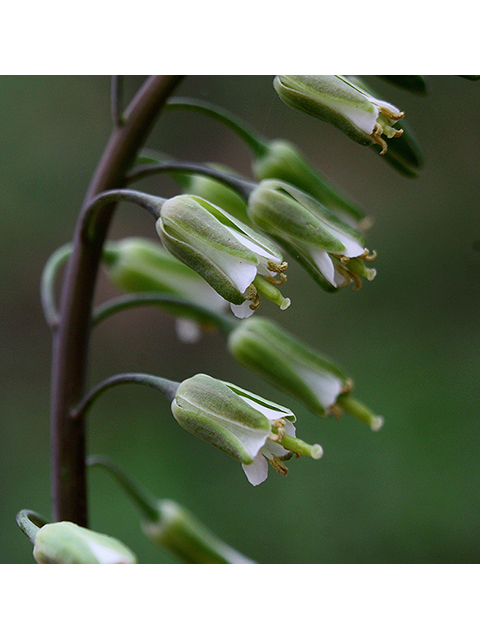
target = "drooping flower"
x: 67, y: 543
x: 337, y: 100
x: 235, y: 260
x: 266, y: 348
x: 241, y: 424
x: 332, y: 251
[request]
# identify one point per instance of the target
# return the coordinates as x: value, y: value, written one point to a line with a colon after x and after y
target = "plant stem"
x: 243, y: 187
x: 167, y: 387
x: 71, y: 338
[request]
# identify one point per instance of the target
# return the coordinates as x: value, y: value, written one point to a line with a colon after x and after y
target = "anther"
x: 278, y: 465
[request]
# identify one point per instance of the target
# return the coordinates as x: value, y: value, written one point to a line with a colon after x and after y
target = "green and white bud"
x: 235, y: 260
x: 306, y: 374
x: 181, y: 532
x: 331, y: 251
x: 245, y: 426
x: 282, y: 160
x: 337, y: 100
x: 266, y: 348
x: 67, y: 543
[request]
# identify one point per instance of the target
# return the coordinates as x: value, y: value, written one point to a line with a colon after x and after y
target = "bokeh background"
x: 410, y: 339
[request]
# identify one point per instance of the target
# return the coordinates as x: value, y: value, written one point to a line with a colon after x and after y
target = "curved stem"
x: 253, y: 139
x: 241, y: 186
x: 145, y: 500
x: 71, y: 340
x: 169, y: 303
x: 151, y: 204
x: 30, y: 522
x: 47, y: 284
x: 167, y: 387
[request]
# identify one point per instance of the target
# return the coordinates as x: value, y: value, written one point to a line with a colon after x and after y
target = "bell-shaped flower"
x: 266, y: 348
x: 241, y: 424
x: 235, y: 260
x: 336, y: 99
x: 67, y: 543
x: 331, y: 251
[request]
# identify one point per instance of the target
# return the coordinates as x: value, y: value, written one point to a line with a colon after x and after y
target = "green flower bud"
x: 67, y: 543
x: 332, y: 252
x: 180, y: 531
x: 266, y: 348
x: 337, y: 100
x: 237, y: 262
x: 282, y: 160
x: 239, y: 423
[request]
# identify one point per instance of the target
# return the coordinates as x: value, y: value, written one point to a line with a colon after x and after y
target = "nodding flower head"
x: 245, y: 426
x: 67, y: 543
x: 236, y: 261
x: 331, y: 251
x: 336, y: 99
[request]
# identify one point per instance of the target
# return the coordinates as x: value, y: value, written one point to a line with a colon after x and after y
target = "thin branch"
x: 167, y: 387
x: 243, y: 187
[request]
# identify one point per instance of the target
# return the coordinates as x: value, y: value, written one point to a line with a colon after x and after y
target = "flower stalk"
x: 71, y: 339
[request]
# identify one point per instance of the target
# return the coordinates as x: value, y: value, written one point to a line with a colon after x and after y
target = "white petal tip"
x: 377, y: 423
x: 285, y: 304
x: 371, y: 274
x: 317, y: 451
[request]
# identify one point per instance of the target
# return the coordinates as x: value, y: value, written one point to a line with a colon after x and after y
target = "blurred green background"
x: 410, y: 339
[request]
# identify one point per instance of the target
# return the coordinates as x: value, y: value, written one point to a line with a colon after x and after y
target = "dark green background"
x: 408, y: 494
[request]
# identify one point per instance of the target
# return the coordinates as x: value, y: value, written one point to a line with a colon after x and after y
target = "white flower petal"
x: 326, y: 387
x: 325, y: 265
x: 271, y: 449
x: 262, y: 252
x: 256, y: 471
x: 271, y: 414
x: 242, y: 310
x: 240, y: 272
x: 104, y: 554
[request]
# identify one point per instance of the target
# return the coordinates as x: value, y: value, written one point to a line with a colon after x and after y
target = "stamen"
x: 346, y: 274
x: 368, y: 257
x: 377, y: 137
x: 279, y: 426
x: 277, y: 283
x: 393, y: 115
x: 277, y: 268
x: 356, y: 279
x: 336, y: 411
x: 348, y: 386
x: 253, y: 296
x: 278, y: 465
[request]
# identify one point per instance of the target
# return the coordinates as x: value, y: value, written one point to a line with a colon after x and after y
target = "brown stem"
x: 71, y: 339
